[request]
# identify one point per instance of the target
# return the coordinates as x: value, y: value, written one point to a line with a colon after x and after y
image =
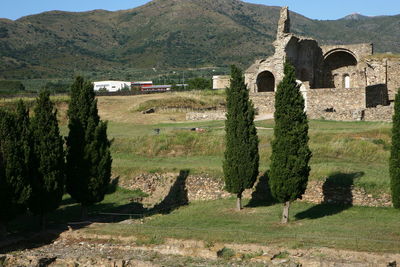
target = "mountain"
x: 355, y: 16
x: 166, y: 34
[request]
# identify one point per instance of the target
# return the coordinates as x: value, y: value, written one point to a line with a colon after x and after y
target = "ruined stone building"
x: 340, y: 82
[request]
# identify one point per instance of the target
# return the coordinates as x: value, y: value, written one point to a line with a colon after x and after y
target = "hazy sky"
x: 315, y: 9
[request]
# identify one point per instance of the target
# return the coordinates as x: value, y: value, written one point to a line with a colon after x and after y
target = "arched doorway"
x: 266, y: 82
x: 336, y: 67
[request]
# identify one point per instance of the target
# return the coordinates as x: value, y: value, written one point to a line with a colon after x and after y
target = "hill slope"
x: 166, y: 34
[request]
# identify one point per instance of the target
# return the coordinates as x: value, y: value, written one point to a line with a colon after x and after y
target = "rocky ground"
x: 75, y: 248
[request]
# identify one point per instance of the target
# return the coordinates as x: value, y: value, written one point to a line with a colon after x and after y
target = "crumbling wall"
x: 393, y: 74
x: 264, y: 102
x: 335, y: 99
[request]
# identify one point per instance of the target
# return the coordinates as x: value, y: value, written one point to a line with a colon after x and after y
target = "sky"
x: 314, y: 9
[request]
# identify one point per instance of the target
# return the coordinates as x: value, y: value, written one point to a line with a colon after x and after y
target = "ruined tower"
x: 284, y: 23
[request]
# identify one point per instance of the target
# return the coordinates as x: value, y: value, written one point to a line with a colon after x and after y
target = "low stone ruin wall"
x: 205, y: 187
x: 379, y: 113
x: 206, y: 115
x: 335, y: 99
x: 264, y: 102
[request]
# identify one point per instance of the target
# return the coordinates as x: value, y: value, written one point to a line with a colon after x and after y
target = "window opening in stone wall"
x: 346, y: 81
x: 266, y: 82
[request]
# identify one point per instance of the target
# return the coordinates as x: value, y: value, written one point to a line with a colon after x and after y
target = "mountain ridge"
x: 166, y: 34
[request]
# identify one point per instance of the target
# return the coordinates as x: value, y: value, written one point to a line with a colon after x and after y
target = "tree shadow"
x: 262, y: 195
x: 27, y: 236
x: 112, y: 187
x: 337, y: 191
x: 177, y: 196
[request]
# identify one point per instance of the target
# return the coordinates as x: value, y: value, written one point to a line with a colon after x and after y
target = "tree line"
x: 37, y: 167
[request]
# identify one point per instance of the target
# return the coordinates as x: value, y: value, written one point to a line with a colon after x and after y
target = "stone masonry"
x: 338, y: 82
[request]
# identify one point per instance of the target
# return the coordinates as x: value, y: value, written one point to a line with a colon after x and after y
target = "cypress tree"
x: 290, y: 153
x: 394, y: 163
x: 241, y: 160
x: 88, y: 148
x: 49, y: 173
x: 15, y: 189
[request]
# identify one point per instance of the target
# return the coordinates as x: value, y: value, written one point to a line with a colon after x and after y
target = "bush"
x: 199, y: 83
x: 57, y: 87
x: 226, y: 253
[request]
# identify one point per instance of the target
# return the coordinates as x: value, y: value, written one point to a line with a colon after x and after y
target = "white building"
x: 111, y: 86
x: 221, y: 81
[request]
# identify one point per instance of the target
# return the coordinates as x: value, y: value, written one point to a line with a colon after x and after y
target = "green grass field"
x: 341, y: 227
x: 339, y: 148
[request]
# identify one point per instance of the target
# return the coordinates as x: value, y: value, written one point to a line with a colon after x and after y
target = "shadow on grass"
x: 262, y: 195
x: 337, y: 191
x: 25, y: 233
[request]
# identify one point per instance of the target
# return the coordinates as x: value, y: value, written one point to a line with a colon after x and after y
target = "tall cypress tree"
x: 241, y: 161
x: 88, y: 148
x: 49, y: 173
x: 394, y: 164
x: 15, y: 189
x: 290, y: 153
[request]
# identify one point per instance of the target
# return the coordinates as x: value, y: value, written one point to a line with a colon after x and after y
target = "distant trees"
x: 394, y: 163
x: 47, y: 179
x: 199, y: 83
x: 88, y: 148
x: 290, y: 152
x: 9, y: 86
x: 241, y: 158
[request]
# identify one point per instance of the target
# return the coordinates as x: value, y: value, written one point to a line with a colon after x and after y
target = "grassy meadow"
x: 339, y: 148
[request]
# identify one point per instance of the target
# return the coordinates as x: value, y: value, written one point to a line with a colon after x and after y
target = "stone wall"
x: 205, y: 187
x: 335, y: 99
x: 393, y: 74
x: 379, y: 113
x: 206, y: 115
x: 263, y: 102
x: 383, y: 70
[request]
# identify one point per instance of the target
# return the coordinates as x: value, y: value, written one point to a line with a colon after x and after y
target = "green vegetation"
x: 395, y: 155
x: 226, y: 253
x: 342, y: 151
x: 91, y: 47
x: 311, y: 226
x: 15, y: 188
x: 179, y: 103
x: 200, y: 83
x: 88, y: 148
x: 48, y: 175
x: 290, y: 153
x: 241, y: 157
x: 9, y: 87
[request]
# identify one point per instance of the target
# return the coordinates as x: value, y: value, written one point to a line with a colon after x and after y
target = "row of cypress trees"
x: 31, y: 161
x: 289, y: 168
x: 35, y: 171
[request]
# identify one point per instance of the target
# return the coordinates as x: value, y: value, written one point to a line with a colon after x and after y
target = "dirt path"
x: 77, y: 248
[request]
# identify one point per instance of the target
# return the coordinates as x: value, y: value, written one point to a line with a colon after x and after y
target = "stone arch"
x: 344, y: 50
x: 336, y: 64
x: 266, y: 82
